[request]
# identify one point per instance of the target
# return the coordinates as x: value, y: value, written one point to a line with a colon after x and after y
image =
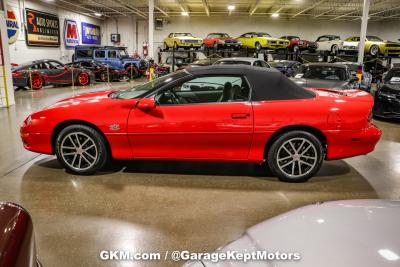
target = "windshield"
x: 123, y: 53
x: 149, y: 86
x: 182, y: 34
x: 374, y: 39
x: 218, y: 35
x: 279, y: 64
x: 321, y: 73
x: 232, y: 62
x: 262, y: 34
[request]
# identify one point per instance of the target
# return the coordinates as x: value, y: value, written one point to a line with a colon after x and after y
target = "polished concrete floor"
x: 157, y: 206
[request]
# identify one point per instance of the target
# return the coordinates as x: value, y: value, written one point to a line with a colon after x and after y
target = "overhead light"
x: 275, y: 15
x: 185, y: 13
x: 231, y: 7
x: 97, y: 14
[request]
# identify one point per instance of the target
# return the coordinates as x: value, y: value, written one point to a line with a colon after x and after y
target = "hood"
x: 391, y: 88
x: 316, y: 83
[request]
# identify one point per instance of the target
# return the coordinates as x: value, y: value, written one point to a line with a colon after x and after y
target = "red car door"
x: 204, y: 118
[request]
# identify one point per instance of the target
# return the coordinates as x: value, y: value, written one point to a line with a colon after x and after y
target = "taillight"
x: 17, y: 74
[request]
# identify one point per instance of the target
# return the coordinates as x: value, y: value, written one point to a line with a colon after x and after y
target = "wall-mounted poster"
x: 12, y: 25
x: 42, y: 29
x: 71, y: 33
x: 90, y: 34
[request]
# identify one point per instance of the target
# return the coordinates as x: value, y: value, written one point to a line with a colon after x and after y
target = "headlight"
x: 28, y: 120
x: 239, y: 42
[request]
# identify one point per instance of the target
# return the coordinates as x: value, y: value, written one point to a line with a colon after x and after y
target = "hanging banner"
x: 12, y: 26
x: 71, y: 33
x: 90, y: 34
x: 42, y: 29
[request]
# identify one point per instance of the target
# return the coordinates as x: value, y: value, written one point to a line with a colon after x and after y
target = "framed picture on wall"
x: 42, y: 29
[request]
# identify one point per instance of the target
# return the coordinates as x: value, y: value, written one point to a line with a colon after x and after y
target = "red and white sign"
x: 71, y: 33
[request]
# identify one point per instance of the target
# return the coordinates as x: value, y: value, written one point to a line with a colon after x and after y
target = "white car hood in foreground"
x: 353, y: 233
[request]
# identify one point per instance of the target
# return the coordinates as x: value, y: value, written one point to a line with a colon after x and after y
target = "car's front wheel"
x: 295, y: 156
x: 81, y: 149
x: 374, y: 50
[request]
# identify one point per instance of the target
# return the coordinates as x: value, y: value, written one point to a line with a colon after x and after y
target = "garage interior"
x: 167, y: 205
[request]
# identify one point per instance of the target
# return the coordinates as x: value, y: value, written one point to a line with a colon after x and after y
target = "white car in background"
x: 348, y: 233
x: 331, y: 43
x: 250, y: 61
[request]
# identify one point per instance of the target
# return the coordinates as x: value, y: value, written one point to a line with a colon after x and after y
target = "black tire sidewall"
x: 99, y: 142
x: 273, y: 150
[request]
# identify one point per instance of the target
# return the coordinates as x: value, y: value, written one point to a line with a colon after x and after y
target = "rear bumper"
x: 350, y: 143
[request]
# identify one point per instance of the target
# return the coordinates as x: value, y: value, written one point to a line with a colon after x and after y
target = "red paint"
x: 210, y: 42
x: 231, y: 131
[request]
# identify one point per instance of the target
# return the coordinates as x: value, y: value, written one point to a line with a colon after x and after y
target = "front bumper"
x: 36, y: 142
x: 350, y: 143
x: 276, y: 46
x: 180, y: 44
x: 392, y: 50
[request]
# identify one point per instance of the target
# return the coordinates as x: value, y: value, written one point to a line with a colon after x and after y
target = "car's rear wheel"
x: 83, y: 79
x: 334, y: 50
x: 103, y: 76
x: 81, y: 149
x: 296, y: 49
x: 295, y: 156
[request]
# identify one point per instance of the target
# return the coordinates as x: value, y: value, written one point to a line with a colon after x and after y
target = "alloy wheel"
x: 83, y: 78
x: 297, y: 157
x: 79, y: 151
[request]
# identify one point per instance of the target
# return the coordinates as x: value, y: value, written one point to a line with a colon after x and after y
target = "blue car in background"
x: 117, y: 57
x: 287, y: 67
x: 366, y: 77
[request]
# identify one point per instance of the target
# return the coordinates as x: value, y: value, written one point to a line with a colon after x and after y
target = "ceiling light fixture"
x: 275, y: 15
x: 185, y: 13
x: 231, y: 7
x: 97, y: 14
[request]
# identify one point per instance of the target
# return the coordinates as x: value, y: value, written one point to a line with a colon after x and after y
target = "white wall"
x: 200, y: 26
x: 20, y: 52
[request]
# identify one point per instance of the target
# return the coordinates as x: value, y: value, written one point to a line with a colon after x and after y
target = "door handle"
x: 240, y: 115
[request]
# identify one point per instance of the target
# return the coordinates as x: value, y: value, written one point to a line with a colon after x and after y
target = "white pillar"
x: 6, y: 85
x: 363, y: 33
x: 151, y: 29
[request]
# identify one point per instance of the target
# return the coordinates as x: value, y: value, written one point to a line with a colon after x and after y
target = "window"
x: 170, y: 35
x: 112, y: 54
x: 84, y: 53
x: 264, y: 64
x: 323, y: 39
x: 100, y: 54
x: 55, y: 65
x: 257, y: 63
x: 321, y: 72
x: 86, y: 64
x: 207, y: 89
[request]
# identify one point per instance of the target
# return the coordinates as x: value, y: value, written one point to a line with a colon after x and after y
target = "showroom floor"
x: 159, y: 206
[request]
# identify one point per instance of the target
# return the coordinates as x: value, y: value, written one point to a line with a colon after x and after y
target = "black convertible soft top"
x: 267, y: 84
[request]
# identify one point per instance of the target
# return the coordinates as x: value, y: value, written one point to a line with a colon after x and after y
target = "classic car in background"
x: 17, y: 238
x: 287, y: 67
x: 373, y: 46
x: 176, y: 63
x: 387, y: 96
x: 357, y: 70
x: 182, y: 40
x: 39, y: 73
x: 117, y: 57
x: 325, y: 75
x: 338, y: 226
x: 103, y: 72
x: 262, y: 40
x: 296, y: 44
x: 330, y: 43
x: 186, y: 130
x: 221, y: 40
x: 250, y: 61
x: 205, y: 61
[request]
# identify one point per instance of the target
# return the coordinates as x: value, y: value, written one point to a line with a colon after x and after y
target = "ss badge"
x: 114, y: 127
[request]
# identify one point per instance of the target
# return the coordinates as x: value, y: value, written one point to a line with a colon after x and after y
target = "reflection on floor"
x: 154, y: 206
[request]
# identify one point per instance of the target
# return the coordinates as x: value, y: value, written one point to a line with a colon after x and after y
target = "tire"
x: 215, y: 46
x: 285, y: 165
x: 81, y: 149
x: 374, y: 50
x: 296, y: 49
x: 103, y: 76
x: 334, y: 50
x: 37, y: 82
x: 83, y: 79
x: 257, y: 46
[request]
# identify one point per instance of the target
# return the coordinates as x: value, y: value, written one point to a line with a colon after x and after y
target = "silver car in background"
x: 250, y: 61
x: 348, y: 233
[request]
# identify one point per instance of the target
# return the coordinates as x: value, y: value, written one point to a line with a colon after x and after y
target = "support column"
x: 151, y: 29
x: 6, y: 85
x: 363, y: 33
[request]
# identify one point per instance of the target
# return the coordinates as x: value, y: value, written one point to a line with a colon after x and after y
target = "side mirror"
x: 146, y: 104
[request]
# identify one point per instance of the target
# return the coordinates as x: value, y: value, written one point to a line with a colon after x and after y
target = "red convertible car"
x: 218, y: 113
